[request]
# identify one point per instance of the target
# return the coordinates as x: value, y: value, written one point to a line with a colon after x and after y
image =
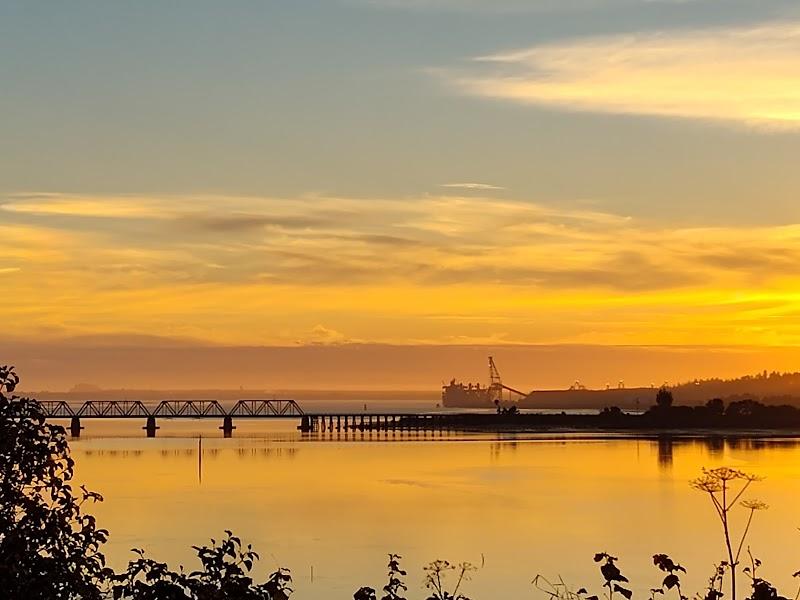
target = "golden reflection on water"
x: 518, y: 506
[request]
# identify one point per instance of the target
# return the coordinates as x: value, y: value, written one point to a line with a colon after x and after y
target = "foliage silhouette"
x: 49, y: 546
x: 761, y: 589
x: 672, y: 580
x: 393, y: 588
x: 612, y: 575
x: 436, y: 575
x: 224, y: 574
x: 664, y: 398
x: 714, y: 589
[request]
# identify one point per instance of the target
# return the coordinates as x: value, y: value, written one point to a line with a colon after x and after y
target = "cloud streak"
x: 270, y: 270
x: 745, y: 75
x: 473, y: 186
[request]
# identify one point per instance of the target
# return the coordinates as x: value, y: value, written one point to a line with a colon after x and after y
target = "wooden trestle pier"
x: 373, y: 422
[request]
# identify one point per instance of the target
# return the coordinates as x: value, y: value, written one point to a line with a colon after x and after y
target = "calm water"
x: 516, y: 505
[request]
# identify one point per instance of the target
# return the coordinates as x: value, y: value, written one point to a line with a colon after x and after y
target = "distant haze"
x: 153, y: 363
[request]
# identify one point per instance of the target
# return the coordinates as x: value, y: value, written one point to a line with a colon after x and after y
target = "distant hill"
x: 769, y: 388
x: 764, y: 386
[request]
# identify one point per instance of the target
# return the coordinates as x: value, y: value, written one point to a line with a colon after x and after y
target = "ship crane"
x: 496, y: 385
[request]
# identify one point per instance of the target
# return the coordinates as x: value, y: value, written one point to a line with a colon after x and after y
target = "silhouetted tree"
x: 49, y: 547
x: 664, y: 398
x: 744, y: 408
x: 612, y: 412
x: 715, y: 407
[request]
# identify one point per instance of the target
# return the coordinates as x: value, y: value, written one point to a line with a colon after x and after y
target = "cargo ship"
x: 472, y: 395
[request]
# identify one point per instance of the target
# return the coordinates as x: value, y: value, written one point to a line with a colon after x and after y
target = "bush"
x: 49, y: 547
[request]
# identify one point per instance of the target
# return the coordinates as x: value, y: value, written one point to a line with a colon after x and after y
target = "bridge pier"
x: 75, y: 427
x: 151, y: 427
x: 227, y: 426
x: 305, y: 424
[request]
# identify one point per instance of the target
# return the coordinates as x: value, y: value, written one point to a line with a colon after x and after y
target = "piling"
x: 227, y: 426
x: 151, y: 427
x: 75, y: 427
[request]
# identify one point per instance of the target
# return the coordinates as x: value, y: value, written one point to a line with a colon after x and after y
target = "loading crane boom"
x: 496, y: 383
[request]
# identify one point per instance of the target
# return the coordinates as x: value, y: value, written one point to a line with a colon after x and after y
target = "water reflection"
x: 111, y: 453
x: 497, y: 449
x: 285, y: 442
x: 716, y: 446
x: 341, y: 501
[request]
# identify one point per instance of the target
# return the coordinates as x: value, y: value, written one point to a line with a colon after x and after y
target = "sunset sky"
x: 401, y: 172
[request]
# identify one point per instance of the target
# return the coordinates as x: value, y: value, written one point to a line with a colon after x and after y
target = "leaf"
x: 612, y: 573
x: 670, y: 581
x: 625, y: 592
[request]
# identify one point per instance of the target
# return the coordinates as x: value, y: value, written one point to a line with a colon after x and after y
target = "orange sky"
x: 428, y: 270
x: 136, y: 363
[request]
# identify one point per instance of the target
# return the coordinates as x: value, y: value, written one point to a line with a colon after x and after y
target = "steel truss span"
x: 175, y: 409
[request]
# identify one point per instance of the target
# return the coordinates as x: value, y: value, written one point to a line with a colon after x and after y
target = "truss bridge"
x: 170, y: 409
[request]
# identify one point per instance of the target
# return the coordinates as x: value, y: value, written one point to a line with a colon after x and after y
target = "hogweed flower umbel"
x: 725, y: 487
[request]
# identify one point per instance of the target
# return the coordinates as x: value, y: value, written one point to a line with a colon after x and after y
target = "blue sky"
x: 346, y: 97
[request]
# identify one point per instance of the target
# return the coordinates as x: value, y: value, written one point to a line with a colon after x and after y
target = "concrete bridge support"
x: 227, y: 426
x: 75, y: 427
x: 151, y: 427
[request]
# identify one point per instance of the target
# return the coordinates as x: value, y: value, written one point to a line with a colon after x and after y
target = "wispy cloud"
x: 444, y: 240
x: 745, y: 75
x: 325, y: 336
x: 253, y: 269
x: 473, y: 186
x: 82, y: 206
